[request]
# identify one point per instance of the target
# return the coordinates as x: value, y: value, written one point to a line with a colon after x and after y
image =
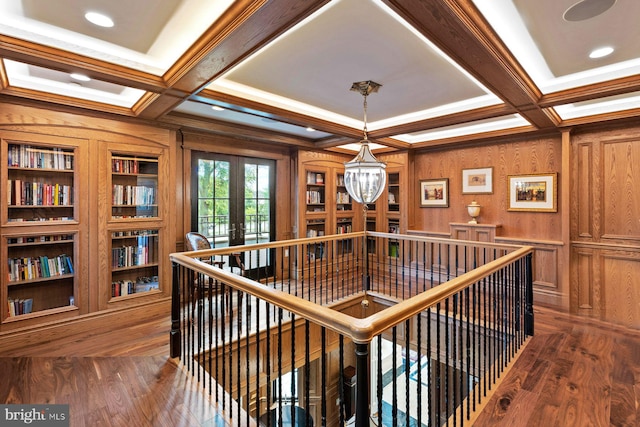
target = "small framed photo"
x: 534, y: 193
x: 477, y: 181
x: 434, y: 193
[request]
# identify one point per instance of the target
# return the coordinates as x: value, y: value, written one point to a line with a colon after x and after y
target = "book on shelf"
x: 17, y: 307
x: 30, y: 268
x: 315, y: 178
x: 133, y: 195
x: 32, y: 157
x: 142, y: 253
x: 314, y: 197
x: 24, y: 193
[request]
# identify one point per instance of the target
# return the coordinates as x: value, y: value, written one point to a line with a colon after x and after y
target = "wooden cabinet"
x: 474, y: 232
x: 41, y: 220
x: 40, y: 277
x: 85, y: 227
x: 134, y: 223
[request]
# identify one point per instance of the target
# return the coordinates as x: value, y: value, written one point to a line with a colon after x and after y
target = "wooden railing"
x: 426, y: 325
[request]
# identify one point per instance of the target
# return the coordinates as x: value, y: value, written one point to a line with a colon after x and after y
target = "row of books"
x: 343, y: 198
x: 344, y: 228
x: 144, y: 252
x: 314, y: 233
x: 19, y: 306
x: 25, y: 193
x: 314, y: 197
x: 132, y: 166
x: 133, y: 195
x: 40, y: 239
x: 26, y: 156
x: 134, y: 233
x: 127, y: 287
x: 50, y: 218
x: 30, y: 268
x: 315, y: 178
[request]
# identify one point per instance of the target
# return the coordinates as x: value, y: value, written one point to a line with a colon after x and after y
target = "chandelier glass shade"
x: 364, y: 176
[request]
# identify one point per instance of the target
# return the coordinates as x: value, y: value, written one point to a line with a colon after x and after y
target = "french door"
x: 233, y: 203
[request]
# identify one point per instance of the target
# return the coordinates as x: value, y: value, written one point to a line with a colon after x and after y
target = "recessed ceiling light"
x: 79, y: 77
x: 99, y: 19
x: 217, y: 108
x: 601, y: 52
x: 310, y: 129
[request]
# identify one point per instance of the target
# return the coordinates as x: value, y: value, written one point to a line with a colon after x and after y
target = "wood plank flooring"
x: 574, y: 372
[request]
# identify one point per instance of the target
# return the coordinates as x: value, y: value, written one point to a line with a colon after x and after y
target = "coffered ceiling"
x: 452, y: 71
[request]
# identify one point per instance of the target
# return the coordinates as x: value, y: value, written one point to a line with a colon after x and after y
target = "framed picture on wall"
x: 434, y: 193
x: 477, y: 181
x: 533, y: 193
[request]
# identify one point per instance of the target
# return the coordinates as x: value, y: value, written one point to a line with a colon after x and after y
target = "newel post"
x: 362, y: 385
x: 528, y: 309
x: 175, y: 334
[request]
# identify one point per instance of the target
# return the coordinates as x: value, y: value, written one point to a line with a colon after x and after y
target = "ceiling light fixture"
x: 310, y: 129
x: 601, y: 52
x: 99, y: 19
x: 364, y: 176
x: 217, y: 108
x: 80, y: 77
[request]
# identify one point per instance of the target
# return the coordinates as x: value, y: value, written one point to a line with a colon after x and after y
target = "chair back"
x: 196, y: 241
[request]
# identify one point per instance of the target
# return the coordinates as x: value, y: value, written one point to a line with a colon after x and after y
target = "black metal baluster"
x: 323, y: 403
x: 407, y: 372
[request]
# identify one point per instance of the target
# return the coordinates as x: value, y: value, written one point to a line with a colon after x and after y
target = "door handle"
x: 232, y: 231
x: 242, y: 230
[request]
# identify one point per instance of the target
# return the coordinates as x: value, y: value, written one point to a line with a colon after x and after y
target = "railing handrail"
x: 306, y: 240
x: 360, y: 330
x: 403, y: 310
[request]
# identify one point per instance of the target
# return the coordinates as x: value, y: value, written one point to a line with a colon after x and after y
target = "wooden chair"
x: 195, y: 242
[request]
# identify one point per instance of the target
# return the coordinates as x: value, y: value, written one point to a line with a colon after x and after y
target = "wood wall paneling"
x: 584, y: 184
x: 620, y: 189
x: 621, y: 287
x: 507, y: 158
x: 605, y: 218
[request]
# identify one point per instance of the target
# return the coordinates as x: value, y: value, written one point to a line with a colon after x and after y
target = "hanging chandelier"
x: 364, y: 176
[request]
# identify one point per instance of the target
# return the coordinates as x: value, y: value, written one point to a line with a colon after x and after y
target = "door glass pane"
x: 213, y: 201
x: 256, y: 181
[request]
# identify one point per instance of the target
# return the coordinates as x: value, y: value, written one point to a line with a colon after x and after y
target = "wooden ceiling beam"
x: 274, y: 113
x: 68, y: 62
x: 594, y: 91
x: 461, y: 32
x: 448, y: 120
x: 235, y: 131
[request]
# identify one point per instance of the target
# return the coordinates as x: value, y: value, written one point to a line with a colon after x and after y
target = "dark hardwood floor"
x: 574, y: 372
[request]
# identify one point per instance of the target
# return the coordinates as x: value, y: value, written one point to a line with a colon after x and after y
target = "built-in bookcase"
x: 75, y: 191
x: 40, y: 227
x: 135, y: 225
x: 134, y: 181
x: 40, y: 183
x: 134, y: 262
x: 40, y: 274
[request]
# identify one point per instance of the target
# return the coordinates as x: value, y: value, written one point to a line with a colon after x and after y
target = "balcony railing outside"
x: 426, y: 325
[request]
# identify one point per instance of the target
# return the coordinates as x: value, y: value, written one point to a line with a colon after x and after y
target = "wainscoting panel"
x: 621, y: 288
x: 546, y: 265
x: 605, y: 225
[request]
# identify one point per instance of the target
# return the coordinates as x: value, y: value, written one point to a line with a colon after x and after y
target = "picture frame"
x: 434, y: 193
x: 533, y: 192
x: 477, y: 181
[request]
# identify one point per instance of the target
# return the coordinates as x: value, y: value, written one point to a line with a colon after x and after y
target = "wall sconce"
x: 474, y: 211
